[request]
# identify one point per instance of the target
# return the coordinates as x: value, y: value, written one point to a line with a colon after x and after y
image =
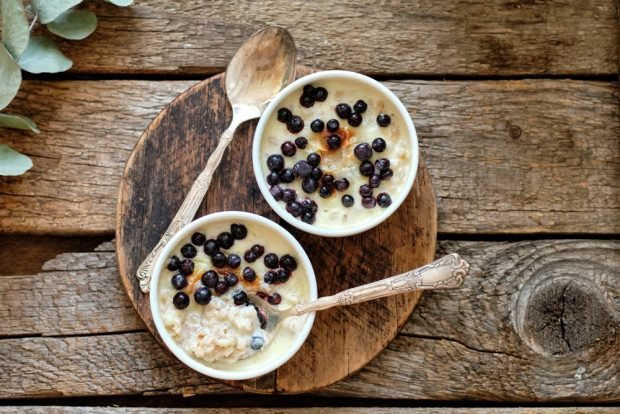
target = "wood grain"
x: 536, y: 156
x: 460, y: 37
x: 462, y: 344
x: 161, y: 170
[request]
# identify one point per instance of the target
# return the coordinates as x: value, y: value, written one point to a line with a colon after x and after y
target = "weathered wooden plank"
x: 321, y: 410
x: 529, y: 156
x: 463, y: 37
x: 534, y: 321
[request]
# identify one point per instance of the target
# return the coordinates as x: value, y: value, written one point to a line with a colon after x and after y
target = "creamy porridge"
x: 335, y: 153
x: 203, y: 293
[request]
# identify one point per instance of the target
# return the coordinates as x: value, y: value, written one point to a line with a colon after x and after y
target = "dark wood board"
x: 160, y: 171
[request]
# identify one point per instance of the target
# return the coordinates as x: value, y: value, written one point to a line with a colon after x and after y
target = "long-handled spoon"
x: 262, y: 66
x: 444, y: 273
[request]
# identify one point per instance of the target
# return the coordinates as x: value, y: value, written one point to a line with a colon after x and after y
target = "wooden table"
x: 517, y: 109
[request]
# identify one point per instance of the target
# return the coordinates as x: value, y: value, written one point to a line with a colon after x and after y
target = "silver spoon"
x: 444, y: 273
x: 263, y: 65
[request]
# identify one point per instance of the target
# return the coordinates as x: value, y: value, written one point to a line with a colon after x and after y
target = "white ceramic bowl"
x: 260, y: 170
x: 262, y: 367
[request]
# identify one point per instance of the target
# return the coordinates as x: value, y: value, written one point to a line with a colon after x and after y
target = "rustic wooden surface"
x: 517, y: 109
x: 161, y: 170
x: 343, y: 410
x: 476, y: 343
x: 497, y: 165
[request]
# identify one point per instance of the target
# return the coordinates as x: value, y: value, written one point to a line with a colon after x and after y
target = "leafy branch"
x: 35, y: 54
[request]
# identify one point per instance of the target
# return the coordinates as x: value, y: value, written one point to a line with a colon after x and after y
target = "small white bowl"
x: 296, y: 87
x: 263, y: 367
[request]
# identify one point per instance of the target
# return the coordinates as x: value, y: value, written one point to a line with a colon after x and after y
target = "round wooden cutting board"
x: 160, y: 171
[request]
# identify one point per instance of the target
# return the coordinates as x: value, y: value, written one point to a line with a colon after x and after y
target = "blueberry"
x: 374, y: 180
x: 211, y: 247
x: 282, y: 275
x: 386, y: 175
x: 218, y: 259
x: 309, y: 90
x: 231, y: 279
x: 289, y: 195
x: 288, y: 262
x: 328, y: 179
x: 343, y: 110
x: 326, y: 190
x: 174, y: 263
x: 287, y: 175
x: 309, y: 185
x: 210, y: 279
x: 306, y: 204
x: 347, y: 200
x: 301, y: 142
x: 362, y: 151
x: 382, y: 164
x: 288, y: 148
x: 317, y: 125
x: 317, y: 173
x: 367, y: 169
x: 384, y: 200
x: 334, y: 141
x: 273, y: 178
x: 249, y: 274
x: 302, y: 169
x: 271, y: 260
x: 198, y: 239
x: 187, y: 267
x: 341, y: 184
x: 295, y: 124
x: 234, y: 261
x: 225, y: 240
x: 270, y: 277
x: 240, y: 298
x: 360, y: 106
x: 284, y: 114
x: 275, y: 299
x: 258, y: 250
x: 239, y: 231
x: 320, y: 94
x: 180, y: 300
x: 189, y: 251
x: 249, y: 256
x: 308, y: 217
x: 314, y: 159
x: 333, y: 125
x: 383, y: 120
x: 276, y: 192
x: 221, y: 287
x: 262, y: 318
x: 306, y: 101
x: 294, y: 208
x: 178, y: 281
x: 368, y: 202
x: 275, y: 162
x: 365, y: 190
x: 355, y: 119
x: 378, y: 144
x: 202, y: 296
x: 257, y: 341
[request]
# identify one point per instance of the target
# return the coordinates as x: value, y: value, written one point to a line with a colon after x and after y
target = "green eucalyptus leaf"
x: 18, y: 122
x: 15, y: 28
x: 74, y: 24
x: 12, y: 162
x: 48, y: 10
x: 10, y: 77
x: 121, y: 3
x: 43, y: 56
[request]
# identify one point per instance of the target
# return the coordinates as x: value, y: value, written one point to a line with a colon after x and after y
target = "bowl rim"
x: 258, y: 168
x: 177, y: 350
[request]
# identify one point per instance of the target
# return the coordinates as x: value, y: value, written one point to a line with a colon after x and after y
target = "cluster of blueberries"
x: 280, y: 269
x: 308, y: 170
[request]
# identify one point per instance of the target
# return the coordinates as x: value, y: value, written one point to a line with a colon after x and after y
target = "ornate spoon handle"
x: 190, y: 205
x: 444, y: 273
